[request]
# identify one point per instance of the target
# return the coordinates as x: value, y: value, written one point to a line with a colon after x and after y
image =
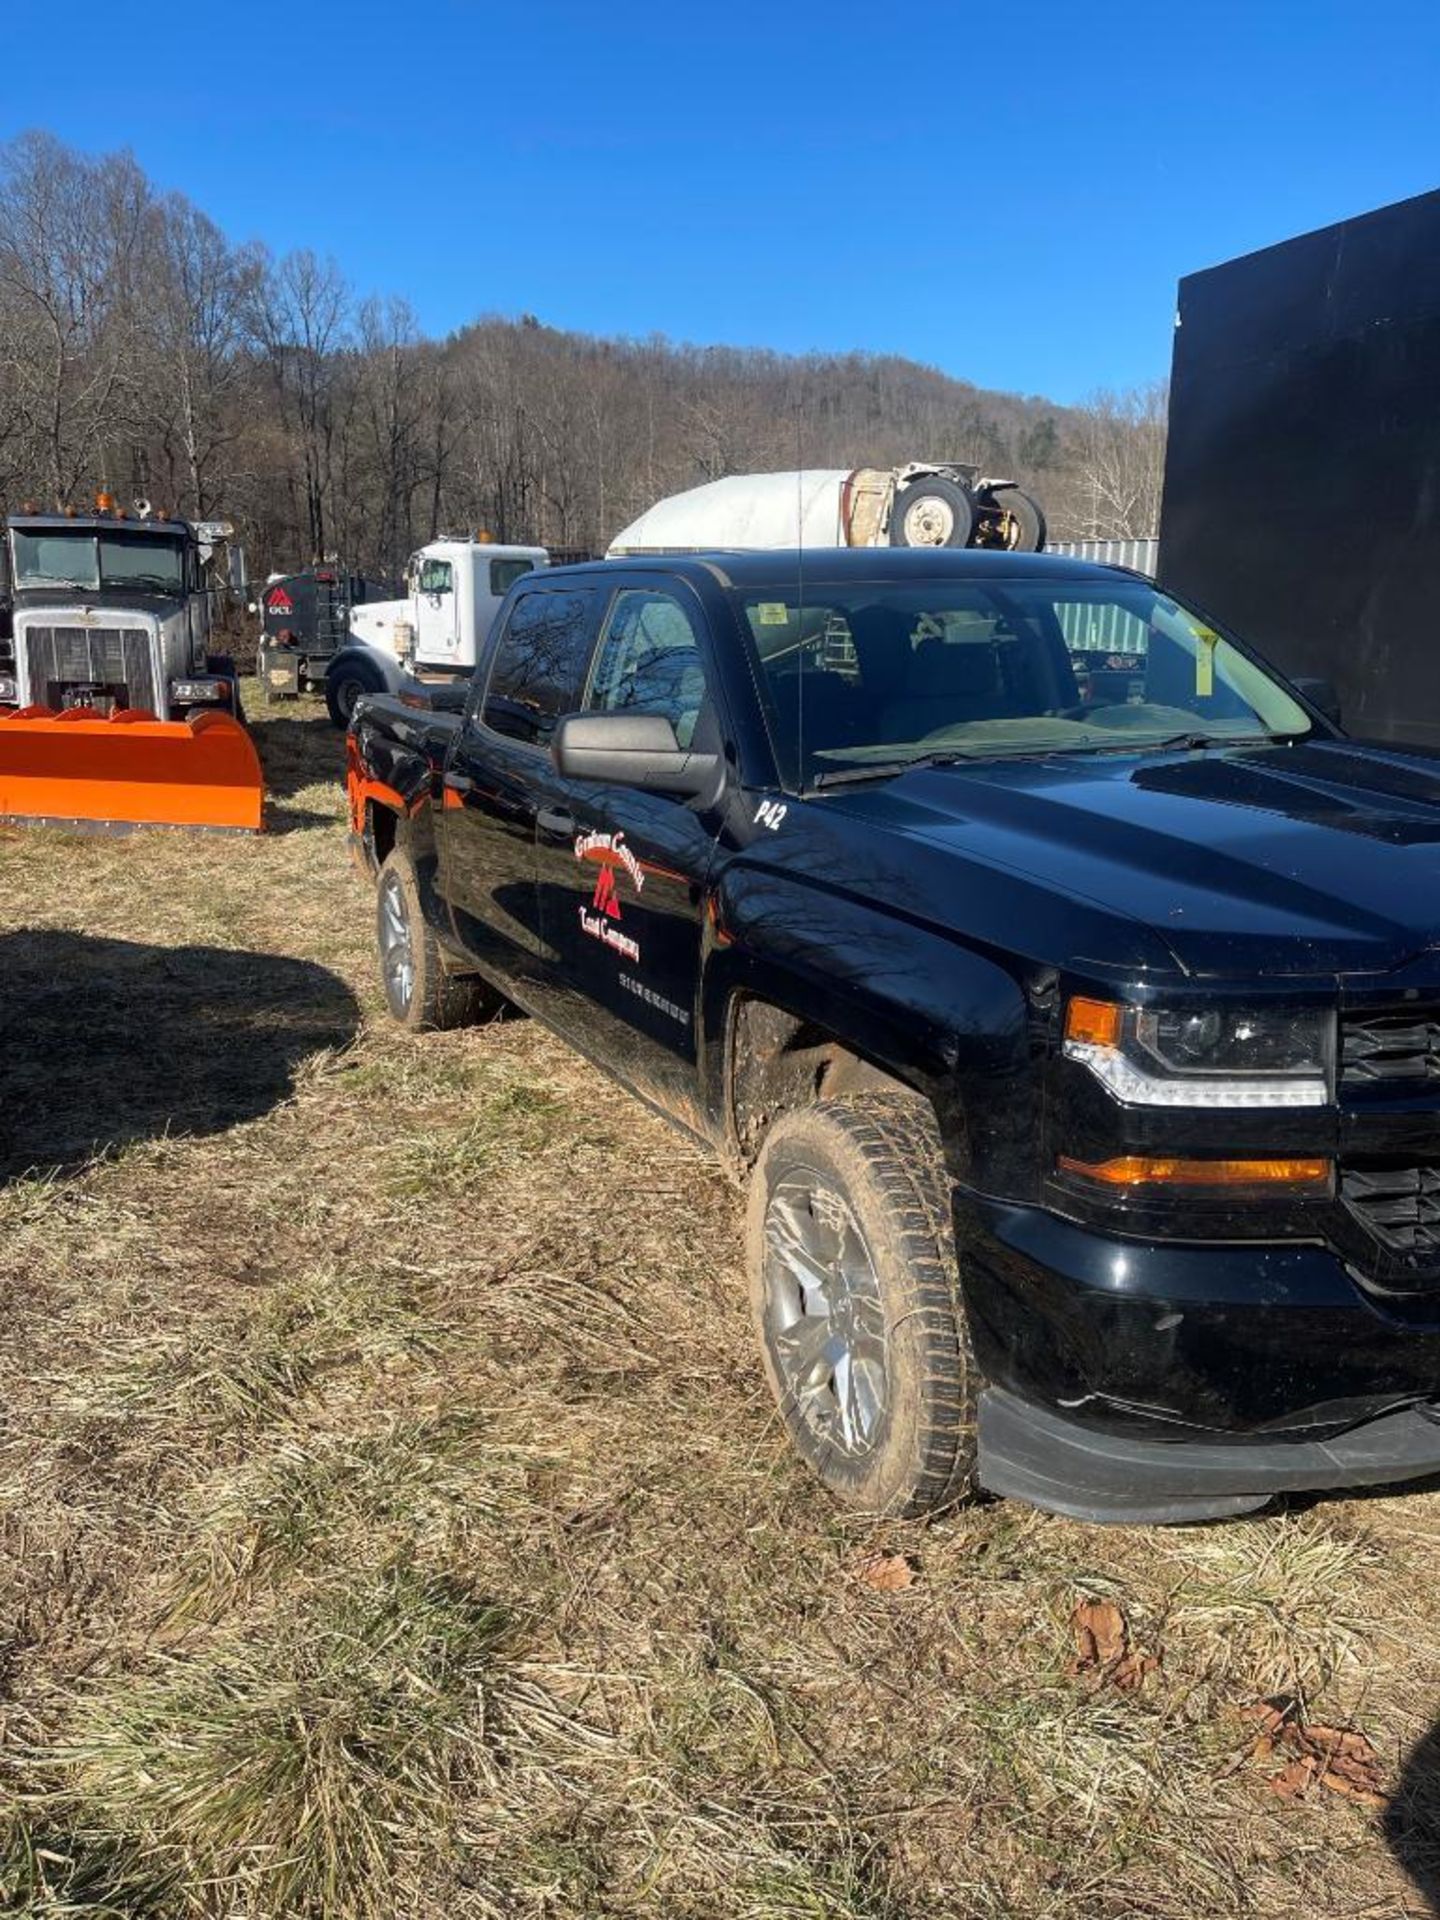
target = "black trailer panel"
x: 1302, y: 479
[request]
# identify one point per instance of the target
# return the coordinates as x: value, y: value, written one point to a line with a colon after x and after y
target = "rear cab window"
x: 504, y: 574
x: 537, y: 671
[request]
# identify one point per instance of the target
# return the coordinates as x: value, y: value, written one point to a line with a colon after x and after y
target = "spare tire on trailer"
x: 1026, y: 531
x: 932, y: 512
x: 347, y: 678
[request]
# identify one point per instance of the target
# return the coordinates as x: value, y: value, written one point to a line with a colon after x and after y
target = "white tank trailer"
x: 942, y: 503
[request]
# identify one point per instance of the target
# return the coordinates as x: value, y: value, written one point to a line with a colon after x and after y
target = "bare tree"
x: 199, y: 294
x: 300, y: 317
x: 70, y: 230
x: 1120, y: 457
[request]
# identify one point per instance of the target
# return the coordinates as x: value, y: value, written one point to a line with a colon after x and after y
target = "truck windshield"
x: 878, y: 674
x: 139, y: 562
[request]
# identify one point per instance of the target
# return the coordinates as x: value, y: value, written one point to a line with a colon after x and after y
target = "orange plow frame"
x: 128, y: 769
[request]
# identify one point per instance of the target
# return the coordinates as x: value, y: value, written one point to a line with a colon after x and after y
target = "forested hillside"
x: 143, y: 349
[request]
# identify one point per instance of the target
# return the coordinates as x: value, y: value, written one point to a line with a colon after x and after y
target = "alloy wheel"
x: 826, y: 1324
x: 397, y: 953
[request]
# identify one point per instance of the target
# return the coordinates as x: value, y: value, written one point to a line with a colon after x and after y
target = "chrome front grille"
x: 58, y: 658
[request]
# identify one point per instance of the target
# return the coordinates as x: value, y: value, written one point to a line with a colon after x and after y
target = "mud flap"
x: 87, y: 769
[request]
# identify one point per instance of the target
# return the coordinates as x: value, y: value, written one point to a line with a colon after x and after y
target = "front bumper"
x: 1135, y: 1380
x: 1029, y: 1454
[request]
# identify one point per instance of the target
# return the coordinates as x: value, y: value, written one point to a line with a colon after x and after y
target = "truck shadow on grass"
x: 1411, y: 1822
x: 107, y: 1043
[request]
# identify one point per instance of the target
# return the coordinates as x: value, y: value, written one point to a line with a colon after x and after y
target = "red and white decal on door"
x: 599, y: 920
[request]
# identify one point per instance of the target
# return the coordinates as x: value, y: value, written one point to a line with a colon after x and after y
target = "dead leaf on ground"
x: 1102, y: 1648
x: 885, y: 1572
x: 1340, y: 1759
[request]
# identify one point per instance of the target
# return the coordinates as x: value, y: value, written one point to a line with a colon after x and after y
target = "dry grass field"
x: 393, y: 1522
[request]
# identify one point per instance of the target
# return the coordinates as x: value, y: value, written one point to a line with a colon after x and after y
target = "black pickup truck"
x: 1082, y: 1051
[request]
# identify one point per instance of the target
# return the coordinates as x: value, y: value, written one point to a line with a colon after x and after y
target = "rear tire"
x: 933, y: 512
x: 420, y: 991
x: 344, y: 687
x: 855, y: 1296
x: 1027, y: 519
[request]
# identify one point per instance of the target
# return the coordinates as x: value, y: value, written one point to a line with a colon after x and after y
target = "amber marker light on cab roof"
x: 1141, y: 1171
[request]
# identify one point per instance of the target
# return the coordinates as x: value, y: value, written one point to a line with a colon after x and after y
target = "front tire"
x: 855, y: 1297
x: 933, y: 512
x: 345, y: 686
x: 419, y: 990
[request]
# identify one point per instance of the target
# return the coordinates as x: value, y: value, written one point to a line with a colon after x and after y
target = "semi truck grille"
x: 1403, y: 1047
x: 114, y: 659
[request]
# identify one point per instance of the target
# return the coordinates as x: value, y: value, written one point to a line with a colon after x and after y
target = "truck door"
x: 496, y: 778
x: 437, y: 619
x: 621, y: 872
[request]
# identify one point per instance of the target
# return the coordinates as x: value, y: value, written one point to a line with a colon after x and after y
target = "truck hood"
x: 1317, y: 858
x: 373, y: 622
x: 49, y: 603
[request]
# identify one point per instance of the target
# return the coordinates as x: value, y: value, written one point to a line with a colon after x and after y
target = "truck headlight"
x: 196, y: 692
x: 9, y: 692
x: 1206, y: 1057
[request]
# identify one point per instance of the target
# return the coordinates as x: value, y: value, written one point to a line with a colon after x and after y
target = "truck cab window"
x: 154, y: 565
x: 539, y: 665
x: 648, y: 661
x: 56, y: 559
x: 504, y: 574
x: 435, y: 576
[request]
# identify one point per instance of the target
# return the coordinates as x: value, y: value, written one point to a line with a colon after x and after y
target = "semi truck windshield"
x: 92, y: 562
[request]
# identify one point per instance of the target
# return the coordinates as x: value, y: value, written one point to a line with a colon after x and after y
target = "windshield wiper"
x: 1192, y: 741
x: 885, y: 769
x: 1197, y: 740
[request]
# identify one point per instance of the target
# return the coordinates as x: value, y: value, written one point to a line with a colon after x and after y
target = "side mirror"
x: 1321, y: 694
x: 630, y: 750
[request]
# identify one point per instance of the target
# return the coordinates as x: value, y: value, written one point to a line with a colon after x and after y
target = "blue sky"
x: 1012, y: 202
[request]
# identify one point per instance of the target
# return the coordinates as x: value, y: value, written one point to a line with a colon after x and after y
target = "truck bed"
x: 399, y: 748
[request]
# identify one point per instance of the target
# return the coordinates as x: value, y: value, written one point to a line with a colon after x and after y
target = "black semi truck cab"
x: 1078, y: 1036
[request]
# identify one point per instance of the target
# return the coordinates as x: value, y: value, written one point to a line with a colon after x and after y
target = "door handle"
x: 459, y: 782
x: 555, y: 820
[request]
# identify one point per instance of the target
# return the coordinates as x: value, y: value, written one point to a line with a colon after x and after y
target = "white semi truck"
x: 925, y: 503
x: 435, y: 633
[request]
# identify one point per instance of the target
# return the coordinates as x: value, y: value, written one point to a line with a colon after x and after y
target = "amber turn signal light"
x: 1093, y: 1023
x: 1138, y: 1170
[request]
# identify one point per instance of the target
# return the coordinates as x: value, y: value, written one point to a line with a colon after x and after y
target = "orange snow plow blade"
x: 128, y: 769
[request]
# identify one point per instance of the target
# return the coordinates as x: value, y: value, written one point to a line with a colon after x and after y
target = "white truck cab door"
x: 437, y: 621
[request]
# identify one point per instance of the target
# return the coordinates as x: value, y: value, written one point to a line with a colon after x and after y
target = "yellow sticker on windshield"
x: 773, y: 613
x: 1205, y: 662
